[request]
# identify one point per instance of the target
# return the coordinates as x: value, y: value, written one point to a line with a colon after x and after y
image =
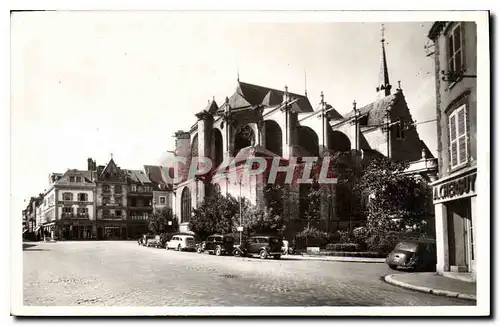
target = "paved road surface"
x: 124, y: 274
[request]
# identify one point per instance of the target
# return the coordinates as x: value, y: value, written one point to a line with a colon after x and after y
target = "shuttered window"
x: 458, y: 137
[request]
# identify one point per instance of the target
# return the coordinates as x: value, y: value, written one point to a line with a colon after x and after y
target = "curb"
x: 340, y: 259
x: 390, y: 279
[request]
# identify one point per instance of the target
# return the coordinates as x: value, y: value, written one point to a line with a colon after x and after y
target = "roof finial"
x: 322, y: 97
x: 382, y: 29
x: 354, y: 105
x: 111, y: 154
x: 399, y: 84
x: 238, y: 77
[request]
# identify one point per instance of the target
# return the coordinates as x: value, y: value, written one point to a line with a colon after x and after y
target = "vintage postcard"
x: 250, y: 163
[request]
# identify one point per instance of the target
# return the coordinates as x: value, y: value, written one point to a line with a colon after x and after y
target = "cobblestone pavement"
x: 125, y: 274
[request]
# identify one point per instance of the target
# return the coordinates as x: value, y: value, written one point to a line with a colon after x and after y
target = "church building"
x: 258, y: 121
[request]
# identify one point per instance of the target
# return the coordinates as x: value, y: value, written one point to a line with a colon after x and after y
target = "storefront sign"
x: 464, y: 186
x: 70, y: 202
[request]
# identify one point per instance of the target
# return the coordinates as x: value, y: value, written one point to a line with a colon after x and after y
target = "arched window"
x: 308, y: 139
x: 194, y: 146
x: 67, y: 196
x: 217, y: 147
x: 274, y: 137
x: 338, y: 141
x: 244, y: 137
x: 118, y: 189
x: 185, y: 205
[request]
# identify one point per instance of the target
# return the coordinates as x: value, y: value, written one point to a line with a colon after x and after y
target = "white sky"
x: 87, y: 84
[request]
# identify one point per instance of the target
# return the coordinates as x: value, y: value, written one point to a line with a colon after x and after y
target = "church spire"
x: 383, y: 87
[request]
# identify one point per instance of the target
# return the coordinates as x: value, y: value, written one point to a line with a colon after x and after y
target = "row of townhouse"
x: 101, y: 202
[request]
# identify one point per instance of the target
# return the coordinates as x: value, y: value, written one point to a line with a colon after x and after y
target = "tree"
x: 214, y: 215
x: 398, y: 201
x: 255, y: 221
x: 163, y: 221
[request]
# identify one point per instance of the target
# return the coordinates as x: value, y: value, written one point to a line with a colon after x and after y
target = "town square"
x: 222, y: 161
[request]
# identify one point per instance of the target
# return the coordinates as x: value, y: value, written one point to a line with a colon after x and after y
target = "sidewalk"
x: 334, y: 258
x: 434, y: 284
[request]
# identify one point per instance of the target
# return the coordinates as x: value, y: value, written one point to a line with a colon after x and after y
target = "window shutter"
x: 453, y: 142
x: 462, y: 135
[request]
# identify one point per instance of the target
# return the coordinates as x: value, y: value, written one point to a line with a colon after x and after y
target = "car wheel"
x: 393, y: 267
x: 198, y: 250
x: 179, y: 248
x: 236, y: 253
x: 277, y: 257
x: 218, y: 251
x: 263, y: 254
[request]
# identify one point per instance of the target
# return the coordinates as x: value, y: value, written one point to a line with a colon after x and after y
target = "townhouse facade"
x: 455, y: 192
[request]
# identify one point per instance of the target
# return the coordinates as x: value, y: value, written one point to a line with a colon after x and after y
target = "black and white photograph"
x: 169, y: 162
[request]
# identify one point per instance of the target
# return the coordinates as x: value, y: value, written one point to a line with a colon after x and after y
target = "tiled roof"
x: 248, y: 95
x: 376, y: 111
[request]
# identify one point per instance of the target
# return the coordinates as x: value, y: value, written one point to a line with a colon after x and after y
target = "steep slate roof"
x: 212, y: 107
x: 376, y: 111
x: 333, y: 114
x: 248, y: 95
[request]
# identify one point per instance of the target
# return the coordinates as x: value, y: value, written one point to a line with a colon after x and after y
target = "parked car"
x: 182, y: 242
x: 154, y: 241
x: 413, y: 254
x: 262, y: 245
x: 219, y: 244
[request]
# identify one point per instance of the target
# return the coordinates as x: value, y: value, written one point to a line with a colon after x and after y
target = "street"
x: 121, y: 273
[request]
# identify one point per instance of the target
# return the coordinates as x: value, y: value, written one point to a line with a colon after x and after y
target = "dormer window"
x: 71, y: 179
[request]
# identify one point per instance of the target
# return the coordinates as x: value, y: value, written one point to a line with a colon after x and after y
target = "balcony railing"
x: 75, y: 216
x: 112, y: 217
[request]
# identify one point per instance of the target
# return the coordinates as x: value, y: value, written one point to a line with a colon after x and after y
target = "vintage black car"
x: 219, y: 244
x: 413, y: 254
x: 262, y: 245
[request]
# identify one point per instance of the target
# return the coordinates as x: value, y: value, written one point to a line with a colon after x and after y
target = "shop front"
x: 455, y: 211
x: 111, y: 231
x: 75, y: 230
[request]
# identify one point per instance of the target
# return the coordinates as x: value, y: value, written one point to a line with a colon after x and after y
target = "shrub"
x: 382, y: 243
x: 348, y: 247
x: 313, y: 236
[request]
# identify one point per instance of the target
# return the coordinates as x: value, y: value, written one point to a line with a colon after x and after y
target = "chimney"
x: 90, y: 164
